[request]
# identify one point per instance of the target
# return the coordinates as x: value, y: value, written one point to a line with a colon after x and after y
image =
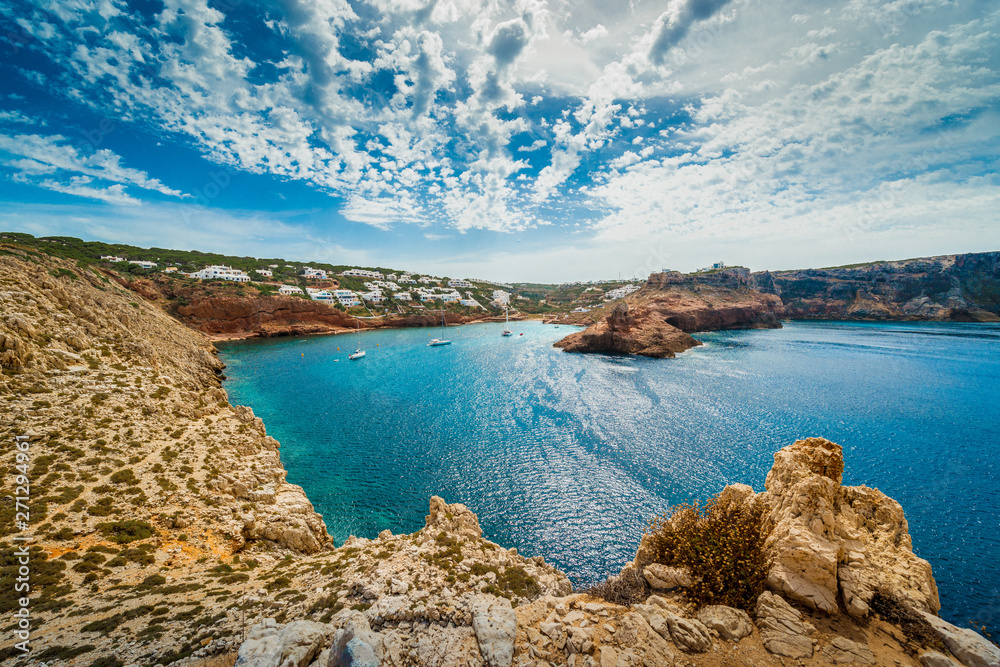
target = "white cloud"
x: 46, y: 155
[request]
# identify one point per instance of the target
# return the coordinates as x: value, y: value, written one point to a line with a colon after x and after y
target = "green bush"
x: 722, y: 544
x: 123, y: 532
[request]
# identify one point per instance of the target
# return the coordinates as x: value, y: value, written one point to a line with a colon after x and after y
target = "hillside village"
x: 358, y: 291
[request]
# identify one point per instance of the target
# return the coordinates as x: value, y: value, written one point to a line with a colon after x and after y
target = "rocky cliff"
x: 962, y: 288
x: 657, y: 320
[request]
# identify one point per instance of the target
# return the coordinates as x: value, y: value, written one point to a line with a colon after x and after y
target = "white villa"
x: 620, y: 292
x: 373, y: 297
x: 219, y: 272
x: 401, y: 296
x: 406, y: 279
x: 427, y: 296
x: 428, y: 280
x: 451, y: 297
x: 113, y: 259
x: 321, y: 295
x: 362, y: 273
x: 500, y: 297
x: 458, y: 282
x: 267, y: 273
x: 472, y: 303
x: 581, y: 309
x: 716, y: 265
x: 289, y: 289
x: 143, y: 263
x: 316, y: 274
x: 347, y: 298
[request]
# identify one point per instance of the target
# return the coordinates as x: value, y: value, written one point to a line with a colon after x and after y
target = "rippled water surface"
x: 568, y: 456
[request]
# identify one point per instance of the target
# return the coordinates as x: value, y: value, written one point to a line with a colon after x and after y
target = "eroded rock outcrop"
x: 835, y: 545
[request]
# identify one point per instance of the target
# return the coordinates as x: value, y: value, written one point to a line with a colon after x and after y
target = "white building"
x: 427, y: 296
x: 346, y: 297
x: 321, y: 295
x: 717, y: 265
x: 581, y: 309
x: 113, y: 258
x: 500, y: 297
x: 362, y: 273
x: 401, y: 296
x: 315, y: 274
x: 472, y: 303
x: 289, y: 289
x: 451, y: 297
x: 427, y: 280
x: 170, y: 269
x: 458, y: 282
x: 406, y: 279
x: 219, y: 272
x: 143, y: 263
x: 491, y: 282
x: 267, y: 273
x: 620, y: 292
x: 373, y: 297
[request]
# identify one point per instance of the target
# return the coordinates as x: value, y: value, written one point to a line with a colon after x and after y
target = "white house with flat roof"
x: 362, y: 273
x: 143, y: 263
x: 500, y: 297
x: 220, y: 272
x: 347, y: 298
x: 315, y: 274
x: 322, y: 295
x: 401, y: 296
x: 458, y: 282
x: 113, y: 258
x: 289, y: 289
x: 620, y: 292
x: 267, y: 273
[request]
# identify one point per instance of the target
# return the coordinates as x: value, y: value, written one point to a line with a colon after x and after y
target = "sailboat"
x: 506, y: 324
x: 358, y: 353
x: 435, y: 342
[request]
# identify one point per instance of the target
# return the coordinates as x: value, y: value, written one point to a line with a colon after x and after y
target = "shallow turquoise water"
x: 569, y: 456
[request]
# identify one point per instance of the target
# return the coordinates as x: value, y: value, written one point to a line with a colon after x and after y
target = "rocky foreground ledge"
x: 834, y: 552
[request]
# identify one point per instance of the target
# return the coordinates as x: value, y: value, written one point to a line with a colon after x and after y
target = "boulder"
x: 935, y: 659
x: 663, y: 577
x: 970, y: 647
x: 292, y: 645
x: 782, y: 630
x: 731, y: 624
x: 843, y: 651
x: 354, y: 643
x: 495, y: 625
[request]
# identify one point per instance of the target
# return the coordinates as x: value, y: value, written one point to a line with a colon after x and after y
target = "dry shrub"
x: 221, y: 660
x: 892, y: 609
x: 722, y: 544
x: 626, y: 589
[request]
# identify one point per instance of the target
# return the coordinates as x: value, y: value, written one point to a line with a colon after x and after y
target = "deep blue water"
x: 569, y: 456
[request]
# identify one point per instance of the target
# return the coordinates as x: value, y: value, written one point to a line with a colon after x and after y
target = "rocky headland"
x: 650, y: 322
x: 164, y: 532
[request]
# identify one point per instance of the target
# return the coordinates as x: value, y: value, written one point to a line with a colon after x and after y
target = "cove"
x: 569, y: 456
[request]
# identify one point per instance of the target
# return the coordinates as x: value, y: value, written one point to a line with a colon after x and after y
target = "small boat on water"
x: 506, y: 322
x: 358, y: 353
x: 437, y: 342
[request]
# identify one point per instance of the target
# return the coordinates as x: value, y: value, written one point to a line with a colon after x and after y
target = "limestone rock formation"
x: 731, y: 624
x: 971, y: 648
x: 831, y: 541
x: 782, y: 629
x: 663, y: 577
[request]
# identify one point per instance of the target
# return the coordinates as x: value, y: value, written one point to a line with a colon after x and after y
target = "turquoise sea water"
x: 569, y: 456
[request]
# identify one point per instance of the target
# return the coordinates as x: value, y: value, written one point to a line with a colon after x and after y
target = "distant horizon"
x: 383, y: 266
x: 547, y: 139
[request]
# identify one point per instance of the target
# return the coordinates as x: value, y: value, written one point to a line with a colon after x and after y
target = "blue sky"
x: 540, y: 140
